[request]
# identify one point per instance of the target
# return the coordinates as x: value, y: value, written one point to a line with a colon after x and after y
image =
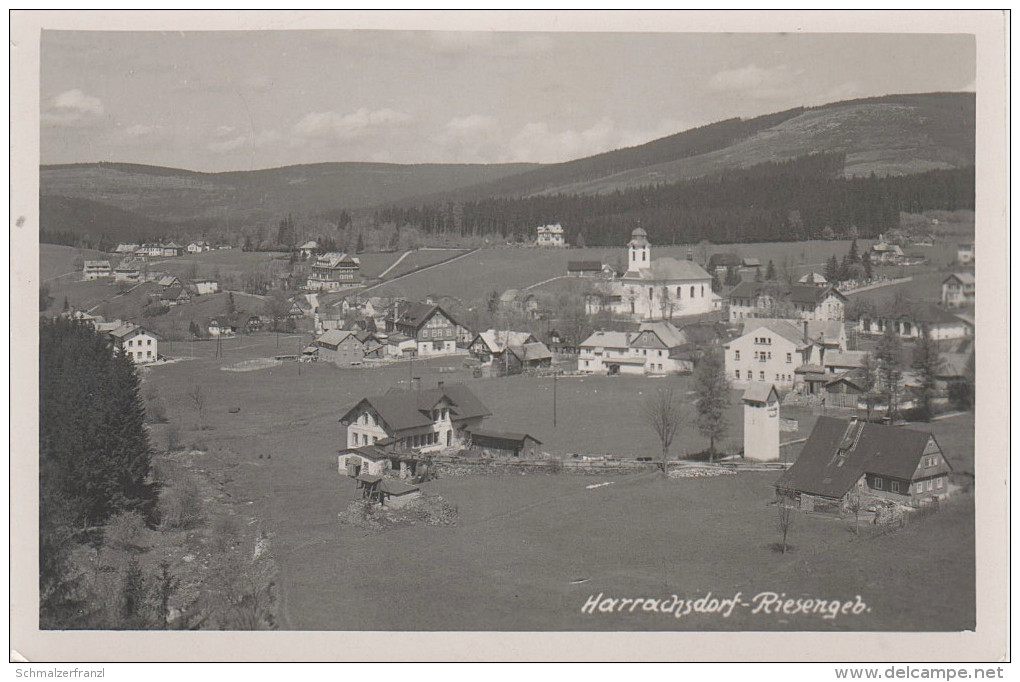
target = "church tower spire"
x: 639, y: 250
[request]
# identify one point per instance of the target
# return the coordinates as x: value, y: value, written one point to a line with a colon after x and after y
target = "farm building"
x: 720, y: 262
x: 424, y: 421
x: 96, y: 269
x: 885, y: 253
x: 845, y: 389
x: 431, y: 327
x: 490, y: 344
x: 584, y: 268
x: 504, y: 444
x: 839, y: 361
x: 221, y: 327
x: 342, y: 348
x: 254, y: 324
x: 940, y: 323
x: 958, y: 290
x: 125, y: 247
x: 171, y: 250
x: 308, y: 249
x: 141, y: 345
x: 769, y: 299
x: 174, y: 295
x: 198, y: 247
x: 386, y: 491
x: 843, y: 460
x: 168, y: 281
x: 526, y: 356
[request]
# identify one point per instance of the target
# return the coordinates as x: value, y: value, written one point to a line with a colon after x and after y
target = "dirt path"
x: 415, y: 272
x: 382, y: 275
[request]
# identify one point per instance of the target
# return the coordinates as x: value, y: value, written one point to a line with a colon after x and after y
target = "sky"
x: 242, y: 100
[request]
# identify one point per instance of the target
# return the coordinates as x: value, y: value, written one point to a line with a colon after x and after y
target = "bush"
x: 127, y: 532
x: 180, y: 504
x: 226, y: 532
x: 155, y: 412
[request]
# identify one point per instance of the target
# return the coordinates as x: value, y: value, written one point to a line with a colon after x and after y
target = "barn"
x: 504, y: 444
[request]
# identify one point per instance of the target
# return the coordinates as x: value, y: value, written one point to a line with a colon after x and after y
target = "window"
x: 761, y: 376
x: 894, y: 486
x: 929, y: 485
x: 938, y: 483
x: 692, y: 292
x: 149, y: 342
x: 678, y: 292
x: 736, y: 355
x: 777, y: 377
x: 651, y: 292
x: 703, y: 291
x: 878, y: 483
x: 643, y: 256
x: 738, y: 373
x: 364, y: 439
x: 660, y: 353
x: 789, y: 358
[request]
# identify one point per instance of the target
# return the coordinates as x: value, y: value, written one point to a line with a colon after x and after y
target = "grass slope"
x: 521, y: 542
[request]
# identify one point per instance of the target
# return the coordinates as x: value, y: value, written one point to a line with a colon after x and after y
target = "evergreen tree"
x: 732, y: 277
x: 231, y: 309
x: 888, y: 355
x: 713, y: 389
x: 579, y: 242
x: 44, y: 298
x: 770, y: 272
x: 194, y: 330
x: 852, y: 255
x: 832, y: 269
x: 866, y: 263
x: 716, y: 284
x: 133, y: 599
x: 67, y: 306
x: 927, y: 362
x: 757, y: 275
x: 361, y: 243
x: 868, y: 382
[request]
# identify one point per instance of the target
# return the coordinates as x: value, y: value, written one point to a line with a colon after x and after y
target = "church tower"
x: 640, y: 251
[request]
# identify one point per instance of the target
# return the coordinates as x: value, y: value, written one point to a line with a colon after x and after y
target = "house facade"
x: 550, y: 236
x: 958, y: 290
x: 421, y: 421
x: 206, y: 286
x: 433, y: 330
x: 504, y: 444
x: 965, y: 253
x: 660, y: 289
x: 774, y: 300
x: 138, y: 343
x: 844, y: 461
x: 334, y: 271
x: 656, y: 348
x: 127, y: 274
x: 941, y: 324
x: 96, y: 269
x: 769, y: 351
x: 489, y: 345
x: 342, y: 348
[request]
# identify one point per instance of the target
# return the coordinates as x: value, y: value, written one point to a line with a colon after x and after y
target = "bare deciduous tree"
x: 663, y: 411
x: 197, y: 398
x: 784, y: 521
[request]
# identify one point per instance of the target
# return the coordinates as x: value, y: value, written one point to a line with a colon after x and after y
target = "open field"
x: 56, y: 260
x: 521, y: 542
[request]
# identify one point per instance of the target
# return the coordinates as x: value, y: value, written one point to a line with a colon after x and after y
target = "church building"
x: 660, y: 289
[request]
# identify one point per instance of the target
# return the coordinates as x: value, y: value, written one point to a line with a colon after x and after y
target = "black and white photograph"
x: 489, y: 325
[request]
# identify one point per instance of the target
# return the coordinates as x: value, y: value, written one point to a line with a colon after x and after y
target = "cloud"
x: 227, y: 145
x: 755, y: 82
x: 331, y: 125
x: 72, y: 108
x: 536, y: 142
x: 139, y: 130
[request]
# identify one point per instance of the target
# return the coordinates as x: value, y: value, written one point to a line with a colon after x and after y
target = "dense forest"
x: 804, y: 198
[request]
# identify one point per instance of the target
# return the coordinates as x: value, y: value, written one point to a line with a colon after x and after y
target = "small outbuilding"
x: 504, y: 444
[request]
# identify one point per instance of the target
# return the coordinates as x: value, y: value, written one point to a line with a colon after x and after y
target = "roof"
x: 667, y: 333
x: 760, y: 393
x: 813, y: 278
x: 126, y: 329
x: 496, y: 340
x: 334, y: 259
x: 309, y: 245
x: 846, y: 358
x: 584, y: 266
x: 167, y: 281
x: 825, y: 330
x: 406, y: 409
x: 367, y: 451
x: 788, y: 330
x: 175, y: 291
x: 962, y: 277
x: 334, y: 337
x: 417, y: 314
x: 751, y: 262
x: 608, y: 339
x: 855, y: 377
x: 890, y: 451
x: 796, y: 293
x: 721, y: 260
x: 531, y: 351
x: 97, y: 264
x: 673, y: 269
x: 503, y: 435
x: 391, y: 487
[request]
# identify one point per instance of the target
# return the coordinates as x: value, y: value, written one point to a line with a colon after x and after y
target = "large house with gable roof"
x: 774, y: 300
x: 656, y: 348
x: 843, y: 460
x: 431, y: 327
x: 423, y: 421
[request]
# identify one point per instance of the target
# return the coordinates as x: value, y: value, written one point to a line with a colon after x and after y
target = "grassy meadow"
x: 527, y: 551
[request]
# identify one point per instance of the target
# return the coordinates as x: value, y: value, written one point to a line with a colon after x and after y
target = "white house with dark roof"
x: 941, y: 324
x: 958, y: 290
x: 772, y: 300
x: 422, y: 421
x: 341, y: 347
x: 656, y: 348
x: 550, y: 235
x: 334, y: 271
x: 660, y: 289
x: 138, y: 343
x: 96, y: 269
x: 490, y: 344
x: 431, y: 327
x: 781, y: 352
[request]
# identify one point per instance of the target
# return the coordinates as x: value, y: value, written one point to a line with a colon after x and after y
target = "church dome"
x: 639, y: 232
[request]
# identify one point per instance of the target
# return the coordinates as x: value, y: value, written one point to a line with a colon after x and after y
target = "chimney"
x: 806, y: 339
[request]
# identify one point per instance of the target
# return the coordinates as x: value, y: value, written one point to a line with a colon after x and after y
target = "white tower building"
x: 640, y: 251
x: 761, y: 423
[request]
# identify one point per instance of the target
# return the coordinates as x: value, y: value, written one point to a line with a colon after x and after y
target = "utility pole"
x: 556, y: 372
x: 298, y: 355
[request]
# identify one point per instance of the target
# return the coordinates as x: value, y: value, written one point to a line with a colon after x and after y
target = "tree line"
x: 799, y: 199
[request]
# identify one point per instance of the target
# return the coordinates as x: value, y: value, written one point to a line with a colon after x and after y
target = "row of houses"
x: 137, y: 342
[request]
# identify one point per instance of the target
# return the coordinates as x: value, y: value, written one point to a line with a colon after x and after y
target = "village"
x: 717, y: 370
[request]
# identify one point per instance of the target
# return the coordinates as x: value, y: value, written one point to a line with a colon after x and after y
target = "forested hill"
x: 806, y: 198
x: 890, y: 135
